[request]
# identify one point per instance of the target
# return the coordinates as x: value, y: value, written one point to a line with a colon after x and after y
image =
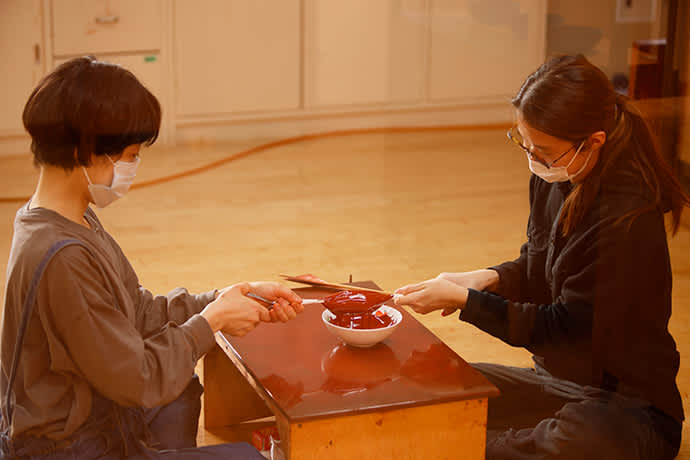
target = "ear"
x: 596, y: 140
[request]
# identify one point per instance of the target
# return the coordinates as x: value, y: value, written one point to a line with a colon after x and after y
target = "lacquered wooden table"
x: 407, y: 397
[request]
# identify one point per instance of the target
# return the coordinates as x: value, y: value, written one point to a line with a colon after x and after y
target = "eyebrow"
x: 540, y: 147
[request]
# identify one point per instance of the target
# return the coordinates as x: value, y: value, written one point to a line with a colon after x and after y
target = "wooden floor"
x: 392, y: 207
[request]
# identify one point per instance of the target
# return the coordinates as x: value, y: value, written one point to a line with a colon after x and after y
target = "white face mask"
x: 557, y: 173
x: 124, y: 173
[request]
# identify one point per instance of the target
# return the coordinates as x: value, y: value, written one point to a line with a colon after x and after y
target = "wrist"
x: 212, y: 318
x: 461, y: 297
x: 457, y: 301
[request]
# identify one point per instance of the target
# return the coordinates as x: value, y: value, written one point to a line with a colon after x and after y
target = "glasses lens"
x: 514, y: 136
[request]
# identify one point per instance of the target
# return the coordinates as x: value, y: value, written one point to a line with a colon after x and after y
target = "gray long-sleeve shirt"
x: 94, y: 328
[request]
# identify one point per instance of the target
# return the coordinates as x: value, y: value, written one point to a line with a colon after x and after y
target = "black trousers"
x: 540, y: 417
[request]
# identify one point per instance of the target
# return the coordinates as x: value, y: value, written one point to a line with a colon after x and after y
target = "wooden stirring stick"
x: 269, y: 303
x: 333, y: 285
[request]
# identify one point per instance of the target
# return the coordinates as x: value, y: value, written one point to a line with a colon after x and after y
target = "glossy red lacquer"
x: 309, y: 373
x: 355, y: 301
x: 355, y: 309
x: 366, y: 320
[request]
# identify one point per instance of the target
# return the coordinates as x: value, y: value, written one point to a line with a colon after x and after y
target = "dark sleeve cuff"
x: 484, y: 309
x: 503, y: 271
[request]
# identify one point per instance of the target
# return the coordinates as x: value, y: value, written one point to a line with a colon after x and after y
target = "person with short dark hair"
x: 93, y: 364
x: 590, y: 293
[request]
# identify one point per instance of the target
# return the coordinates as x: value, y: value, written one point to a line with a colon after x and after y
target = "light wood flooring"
x: 392, y: 207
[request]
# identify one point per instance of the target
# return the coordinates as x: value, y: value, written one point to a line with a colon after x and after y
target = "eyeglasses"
x: 514, y: 135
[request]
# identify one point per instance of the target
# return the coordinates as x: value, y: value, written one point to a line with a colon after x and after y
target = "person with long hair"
x: 590, y: 293
x: 94, y: 366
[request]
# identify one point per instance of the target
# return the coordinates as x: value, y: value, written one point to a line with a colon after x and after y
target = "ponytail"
x: 569, y: 98
x: 631, y: 136
x: 656, y: 172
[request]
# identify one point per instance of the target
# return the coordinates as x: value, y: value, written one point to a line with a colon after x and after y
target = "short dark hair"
x: 89, y: 106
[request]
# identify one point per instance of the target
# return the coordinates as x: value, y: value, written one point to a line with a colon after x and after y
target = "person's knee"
x: 605, y: 429
x: 586, y: 429
x: 175, y: 425
x: 188, y: 404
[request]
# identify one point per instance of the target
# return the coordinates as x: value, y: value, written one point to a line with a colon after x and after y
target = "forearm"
x: 525, y: 324
x: 480, y: 280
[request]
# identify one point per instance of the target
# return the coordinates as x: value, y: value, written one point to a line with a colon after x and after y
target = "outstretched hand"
x: 433, y: 294
x: 287, y: 304
x: 236, y: 314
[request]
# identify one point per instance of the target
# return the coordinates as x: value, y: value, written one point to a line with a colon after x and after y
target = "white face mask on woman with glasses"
x: 547, y: 171
x: 557, y: 173
x: 124, y: 173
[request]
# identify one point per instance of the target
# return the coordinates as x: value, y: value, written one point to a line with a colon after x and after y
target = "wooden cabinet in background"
x: 104, y: 26
x: 482, y: 53
x: 361, y: 52
x: 21, y: 54
x: 234, y: 56
x: 260, y: 69
x: 125, y: 32
x: 646, y: 68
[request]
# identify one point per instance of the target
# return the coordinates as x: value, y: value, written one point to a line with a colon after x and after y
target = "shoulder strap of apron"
x: 26, y: 315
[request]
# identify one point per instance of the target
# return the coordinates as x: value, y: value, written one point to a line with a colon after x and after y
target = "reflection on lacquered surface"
x: 436, y: 367
x: 310, y: 373
x: 288, y: 393
x: 351, y: 369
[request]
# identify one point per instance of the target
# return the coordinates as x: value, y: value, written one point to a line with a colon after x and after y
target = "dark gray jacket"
x: 594, y: 306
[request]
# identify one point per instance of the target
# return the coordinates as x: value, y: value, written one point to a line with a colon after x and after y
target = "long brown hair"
x: 570, y: 98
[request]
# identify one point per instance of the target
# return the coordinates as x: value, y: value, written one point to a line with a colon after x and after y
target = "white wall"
x: 228, y: 69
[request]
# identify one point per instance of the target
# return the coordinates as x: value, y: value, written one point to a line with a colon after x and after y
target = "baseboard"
x: 14, y: 145
x: 224, y: 128
x: 238, y: 129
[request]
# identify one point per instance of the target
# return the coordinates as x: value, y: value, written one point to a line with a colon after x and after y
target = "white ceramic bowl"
x: 363, y: 337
